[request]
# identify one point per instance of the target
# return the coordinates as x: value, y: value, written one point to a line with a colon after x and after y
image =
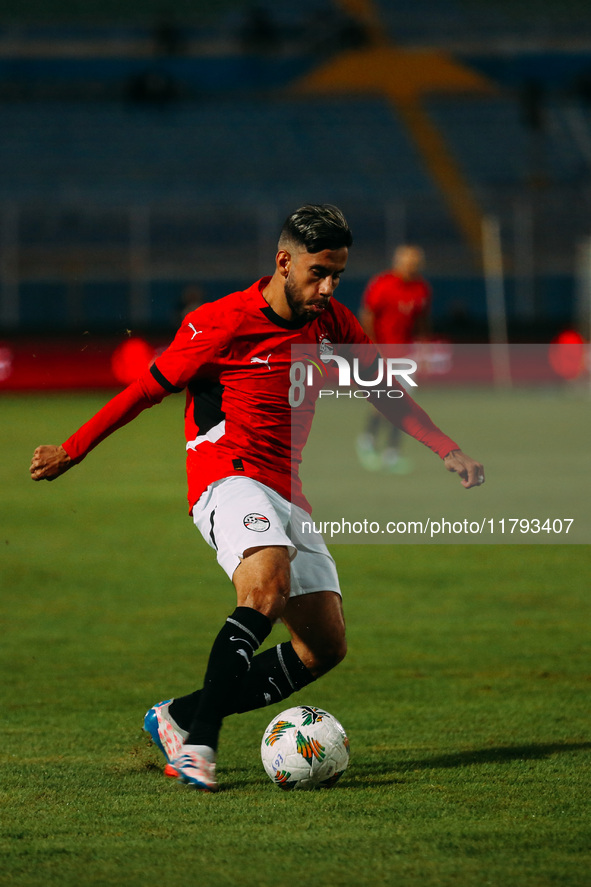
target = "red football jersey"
x: 396, y: 304
x: 234, y: 358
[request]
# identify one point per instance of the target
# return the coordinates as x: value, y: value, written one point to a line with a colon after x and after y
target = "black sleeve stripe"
x: 162, y: 380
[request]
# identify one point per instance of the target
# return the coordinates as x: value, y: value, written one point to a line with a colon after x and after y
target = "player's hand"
x: 49, y: 462
x: 471, y: 472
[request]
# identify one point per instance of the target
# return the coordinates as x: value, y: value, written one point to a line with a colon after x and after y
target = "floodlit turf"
x: 534, y: 445
x: 465, y: 693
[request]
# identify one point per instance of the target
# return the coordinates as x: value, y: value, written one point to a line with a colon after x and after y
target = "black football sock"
x: 274, y: 675
x: 229, y: 661
x: 182, y: 709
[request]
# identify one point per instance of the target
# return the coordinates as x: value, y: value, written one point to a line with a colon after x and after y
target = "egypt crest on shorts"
x: 258, y: 523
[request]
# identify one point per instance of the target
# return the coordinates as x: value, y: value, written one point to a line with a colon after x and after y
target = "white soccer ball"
x: 305, y: 748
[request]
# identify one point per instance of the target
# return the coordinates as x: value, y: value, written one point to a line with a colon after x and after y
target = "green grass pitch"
x: 465, y: 693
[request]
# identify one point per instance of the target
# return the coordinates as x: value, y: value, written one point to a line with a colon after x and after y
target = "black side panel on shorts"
x: 211, y: 532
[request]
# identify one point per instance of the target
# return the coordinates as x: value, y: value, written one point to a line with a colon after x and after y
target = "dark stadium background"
x: 150, y: 151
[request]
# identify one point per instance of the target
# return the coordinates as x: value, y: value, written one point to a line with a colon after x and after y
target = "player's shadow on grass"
x: 374, y: 771
x: 497, y: 755
x: 369, y: 772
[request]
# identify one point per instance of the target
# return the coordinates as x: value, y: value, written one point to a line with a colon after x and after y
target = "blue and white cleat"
x: 165, y: 732
x: 194, y: 770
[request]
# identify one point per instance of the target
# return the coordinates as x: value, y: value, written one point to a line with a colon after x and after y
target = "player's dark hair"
x: 316, y: 227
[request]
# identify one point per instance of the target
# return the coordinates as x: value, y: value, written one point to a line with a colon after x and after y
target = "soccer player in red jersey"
x: 244, y: 445
x: 395, y: 305
x: 395, y: 310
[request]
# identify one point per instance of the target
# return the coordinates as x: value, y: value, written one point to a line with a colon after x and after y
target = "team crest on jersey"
x: 325, y: 348
x: 256, y: 522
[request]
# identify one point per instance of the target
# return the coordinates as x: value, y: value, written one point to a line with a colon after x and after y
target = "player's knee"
x: 276, y: 589
x: 328, y: 655
x: 262, y: 581
x: 276, y: 596
x: 269, y: 599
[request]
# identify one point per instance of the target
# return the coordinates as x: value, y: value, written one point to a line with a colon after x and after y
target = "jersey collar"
x: 281, y: 321
x: 272, y: 315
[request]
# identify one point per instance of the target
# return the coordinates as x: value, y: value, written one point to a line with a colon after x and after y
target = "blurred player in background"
x: 395, y: 309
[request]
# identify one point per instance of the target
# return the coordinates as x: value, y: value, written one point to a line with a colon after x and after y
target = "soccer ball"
x: 305, y: 748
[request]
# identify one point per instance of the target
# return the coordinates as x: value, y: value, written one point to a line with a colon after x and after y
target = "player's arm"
x: 470, y: 472
x: 405, y: 413
x: 411, y: 418
x: 49, y: 462
x: 170, y: 373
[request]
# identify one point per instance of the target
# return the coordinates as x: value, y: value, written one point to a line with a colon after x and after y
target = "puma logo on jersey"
x: 195, y: 332
x: 260, y: 360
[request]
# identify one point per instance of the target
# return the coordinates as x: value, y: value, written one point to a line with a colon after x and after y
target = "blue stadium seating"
x: 494, y: 147
x: 226, y: 151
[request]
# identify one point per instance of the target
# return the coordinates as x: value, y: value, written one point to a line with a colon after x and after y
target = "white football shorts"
x: 238, y: 513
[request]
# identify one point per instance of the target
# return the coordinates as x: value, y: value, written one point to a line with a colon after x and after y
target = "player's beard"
x: 296, y: 301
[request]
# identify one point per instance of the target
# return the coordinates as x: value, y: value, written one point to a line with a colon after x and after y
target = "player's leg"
x: 262, y: 582
x: 313, y: 615
x: 235, y: 515
x: 367, y: 443
x: 316, y: 624
x: 262, y: 588
x: 392, y: 459
x: 274, y: 675
x: 317, y: 627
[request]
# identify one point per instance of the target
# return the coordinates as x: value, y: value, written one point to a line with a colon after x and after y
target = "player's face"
x: 312, y: 279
